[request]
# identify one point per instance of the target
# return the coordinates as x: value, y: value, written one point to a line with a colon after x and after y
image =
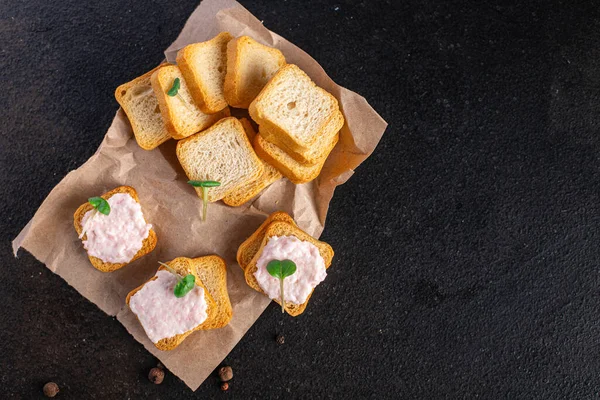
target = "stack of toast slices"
x: 290, y: 126
x: 277, y: 224
x: 211, y: 274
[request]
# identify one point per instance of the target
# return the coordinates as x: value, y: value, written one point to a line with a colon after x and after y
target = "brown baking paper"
x: 174, y: 210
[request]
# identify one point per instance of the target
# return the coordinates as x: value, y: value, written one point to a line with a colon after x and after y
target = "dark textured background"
x: 467, y: 246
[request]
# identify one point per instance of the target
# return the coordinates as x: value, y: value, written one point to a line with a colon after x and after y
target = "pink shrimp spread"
x: 163, y: 315
x: 310, y: 268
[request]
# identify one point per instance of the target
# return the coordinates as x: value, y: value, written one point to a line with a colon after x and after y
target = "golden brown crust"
x: 163, y: 106
x: 183, y: 266
x: 248, y: 128
x: 250, y: 246
x: 296, y: 172
x: 235, y: 96
x: 322, y: 148
x: 280, y: 228
x: 212, y: 271
x: 276, y: 132
x: 247, y: 192
x: 181, y: 154
x: 147, y: 246
x: 250, y: 189
x: 206, y: 102
x: 119, y: 93
x: 162, y: 80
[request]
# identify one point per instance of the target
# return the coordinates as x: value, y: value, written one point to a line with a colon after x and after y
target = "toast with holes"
x: 138, y: 101
x: 204, y: 66
x: 250, y: 65
x: 246, y: 192
x: 148, y: 244
x: 181, y: 114
x: 210, y: 284
x: 278, y: 229
x: 294, y: 110
x: 220, y: 153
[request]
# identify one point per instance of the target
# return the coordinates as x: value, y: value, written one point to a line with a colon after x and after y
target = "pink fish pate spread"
x: 163, y: 315
x: 310, y: 268
x: 118, y: 236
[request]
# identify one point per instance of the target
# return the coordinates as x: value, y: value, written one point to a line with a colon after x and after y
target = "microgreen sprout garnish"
x: 174, y: 91
x: 184, y: 283
x: 205, y: 185
x: 281, y: 270
x: 100, y: 206
x: 175, y: 88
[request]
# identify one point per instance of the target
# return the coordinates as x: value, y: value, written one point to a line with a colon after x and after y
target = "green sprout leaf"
x: 175, y: 88
x: 281, y: 270
x: 205, y: 185
x: 100, y: 204
x: 185, y: 285
x: 174, y: 91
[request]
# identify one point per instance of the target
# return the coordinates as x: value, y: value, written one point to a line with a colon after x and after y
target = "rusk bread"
x: 294, y: 110
x: 250, y: 246
x: 212, y: 271
x: 184, y: 266
x: 280, y: 228
x: 147, y: 246
x: 182, y: 118
x: 250, y: 65
x: 296, y: 172
x: 248, y: 128
x: 204, y: 66
x: 221, y: 153
x: 247, y: 191
x: 141, y: 107
x: 320, y: 149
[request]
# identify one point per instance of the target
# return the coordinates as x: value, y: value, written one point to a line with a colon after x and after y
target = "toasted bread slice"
x: 247, y: 191
x: 203, y: 66
x: 212, y: 271
x: 294, y: 110
x: 147, y: 246
x: 250, y: 246
x: 318, y: 151
x: 250, y: 65
x: 141, y: 107
x: 184, y: 266
x: 221, y: 153
x: 280, y: 228
x: 182, y: 116
x: 248, y: 128
x: 296, y: 172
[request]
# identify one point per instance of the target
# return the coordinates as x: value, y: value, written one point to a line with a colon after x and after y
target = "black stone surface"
x: 467, y: 251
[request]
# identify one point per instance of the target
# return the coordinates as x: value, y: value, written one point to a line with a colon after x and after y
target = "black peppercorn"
x: 156, y: 376
x: 280, y: 339
x: 225, y: 373
x: 50, y: 389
